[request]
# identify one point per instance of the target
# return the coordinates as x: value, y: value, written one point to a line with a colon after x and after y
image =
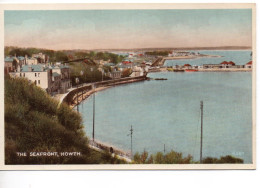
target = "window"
x: 39, y: 82
x: 35, y: 74
x: 23, y: 74
x: 35, y: 82
x: 38, y: 74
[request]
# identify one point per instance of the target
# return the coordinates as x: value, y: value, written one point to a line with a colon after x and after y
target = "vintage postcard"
x: 127, y: 86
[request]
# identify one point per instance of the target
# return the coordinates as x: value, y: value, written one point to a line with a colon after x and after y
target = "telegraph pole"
x: 93, y: 134
x: 131, y: 134
x: 164, y: 148
x: 201, y: 129
x: 77, y: 82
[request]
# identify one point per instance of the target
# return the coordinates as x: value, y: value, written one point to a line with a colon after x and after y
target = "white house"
x: 38, y: 74
x: 53, y: 79
x: 137, y: 71
x: 30, y: 60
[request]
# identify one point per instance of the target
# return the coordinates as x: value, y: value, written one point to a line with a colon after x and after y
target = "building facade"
x: 37, y: 74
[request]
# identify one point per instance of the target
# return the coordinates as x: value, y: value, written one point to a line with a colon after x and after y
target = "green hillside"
x: 35, y: 123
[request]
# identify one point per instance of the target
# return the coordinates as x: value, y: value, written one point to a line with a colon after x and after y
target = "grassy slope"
x: 34, y: 122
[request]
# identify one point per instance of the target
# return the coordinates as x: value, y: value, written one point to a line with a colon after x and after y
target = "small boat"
x: 160, y: 79
x: 191, y: 70
x: 178, y: 70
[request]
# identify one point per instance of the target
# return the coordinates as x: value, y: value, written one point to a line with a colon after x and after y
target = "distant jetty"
x: 222, y: 67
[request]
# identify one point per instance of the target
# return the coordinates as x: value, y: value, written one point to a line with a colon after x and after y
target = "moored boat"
x: 191, y: 70
x: 178, y: 70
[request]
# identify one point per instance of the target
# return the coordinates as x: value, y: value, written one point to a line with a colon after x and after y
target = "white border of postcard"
x: 126, y: 6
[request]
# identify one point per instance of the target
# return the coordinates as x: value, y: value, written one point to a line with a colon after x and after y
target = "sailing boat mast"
x: 201, y: 129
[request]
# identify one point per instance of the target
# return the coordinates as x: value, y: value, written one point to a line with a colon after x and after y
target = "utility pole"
x: 77, y: 82
x: 77, y: 98
x: 201, y: 129
x: 131, y: 134
x: 93, y: 134
x: 164, y: 148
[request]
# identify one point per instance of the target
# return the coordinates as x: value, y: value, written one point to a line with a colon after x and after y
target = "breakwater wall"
x: 80, y: 93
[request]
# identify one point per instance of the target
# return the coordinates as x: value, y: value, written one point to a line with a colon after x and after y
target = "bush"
x: 35, y: 123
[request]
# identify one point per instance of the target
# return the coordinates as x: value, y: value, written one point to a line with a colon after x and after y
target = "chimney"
x: 19, y: 68
x: 25, y: 58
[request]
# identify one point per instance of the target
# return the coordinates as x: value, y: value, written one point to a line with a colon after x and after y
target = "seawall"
x: 82, y: 92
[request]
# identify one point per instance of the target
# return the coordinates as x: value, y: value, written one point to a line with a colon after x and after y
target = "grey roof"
x: 109, y: 64
x: 58, y: 66
x: 35, y: 68
x: 9, y: 59
x: 20, y: 57
x: 55, y: 74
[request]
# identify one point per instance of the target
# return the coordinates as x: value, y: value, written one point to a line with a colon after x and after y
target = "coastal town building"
x: 137, y: 71
x: 30, y: 60
x: 64, y: 72
x: 56, y: 82
x: 38, y: 74
x: 187, y: 66
x: 212, y: 66
x: 248, y: 65
x: 226, y: 64
x: 10, y: 64
x: 41, y: 58
x: 21, y: 60
x: 116, y: 74
x: 223, y: 65
x: 52, y: 79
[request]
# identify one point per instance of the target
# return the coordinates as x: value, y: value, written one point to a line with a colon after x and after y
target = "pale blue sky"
x: 97, y: 29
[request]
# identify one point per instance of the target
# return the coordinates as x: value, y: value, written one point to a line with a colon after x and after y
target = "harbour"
x: 167, y: 113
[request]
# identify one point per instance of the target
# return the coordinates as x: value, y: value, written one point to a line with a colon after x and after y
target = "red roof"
x: 126, y: 62
x: 187, y: 65
x: 249, y: 63
x: 228, y: 63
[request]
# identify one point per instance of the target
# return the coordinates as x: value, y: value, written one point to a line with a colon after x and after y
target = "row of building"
x: 223, y: 65
x: 227, y: 65
x: 137, y: 69
x: 12, y: 62
x: 51, y: 78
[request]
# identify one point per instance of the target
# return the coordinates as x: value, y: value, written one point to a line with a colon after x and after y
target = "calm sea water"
x: 168, y: 112
x: 238, y: 57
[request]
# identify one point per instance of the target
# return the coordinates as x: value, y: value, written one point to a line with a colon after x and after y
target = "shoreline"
x: 84, y: 91
x: 86, y: 95
x: 164, y: 69
x: 191, y: 57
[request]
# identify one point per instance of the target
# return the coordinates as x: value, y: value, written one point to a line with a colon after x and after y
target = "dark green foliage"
x: 176, y: 158
x: 160, y: 158
x: 88, y: 75
x: 108, y: 56
x: 157, y: 53
x: 223, y: 160
x: 34, y: 122
x: 53, y: 55
x: 126, y: 72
